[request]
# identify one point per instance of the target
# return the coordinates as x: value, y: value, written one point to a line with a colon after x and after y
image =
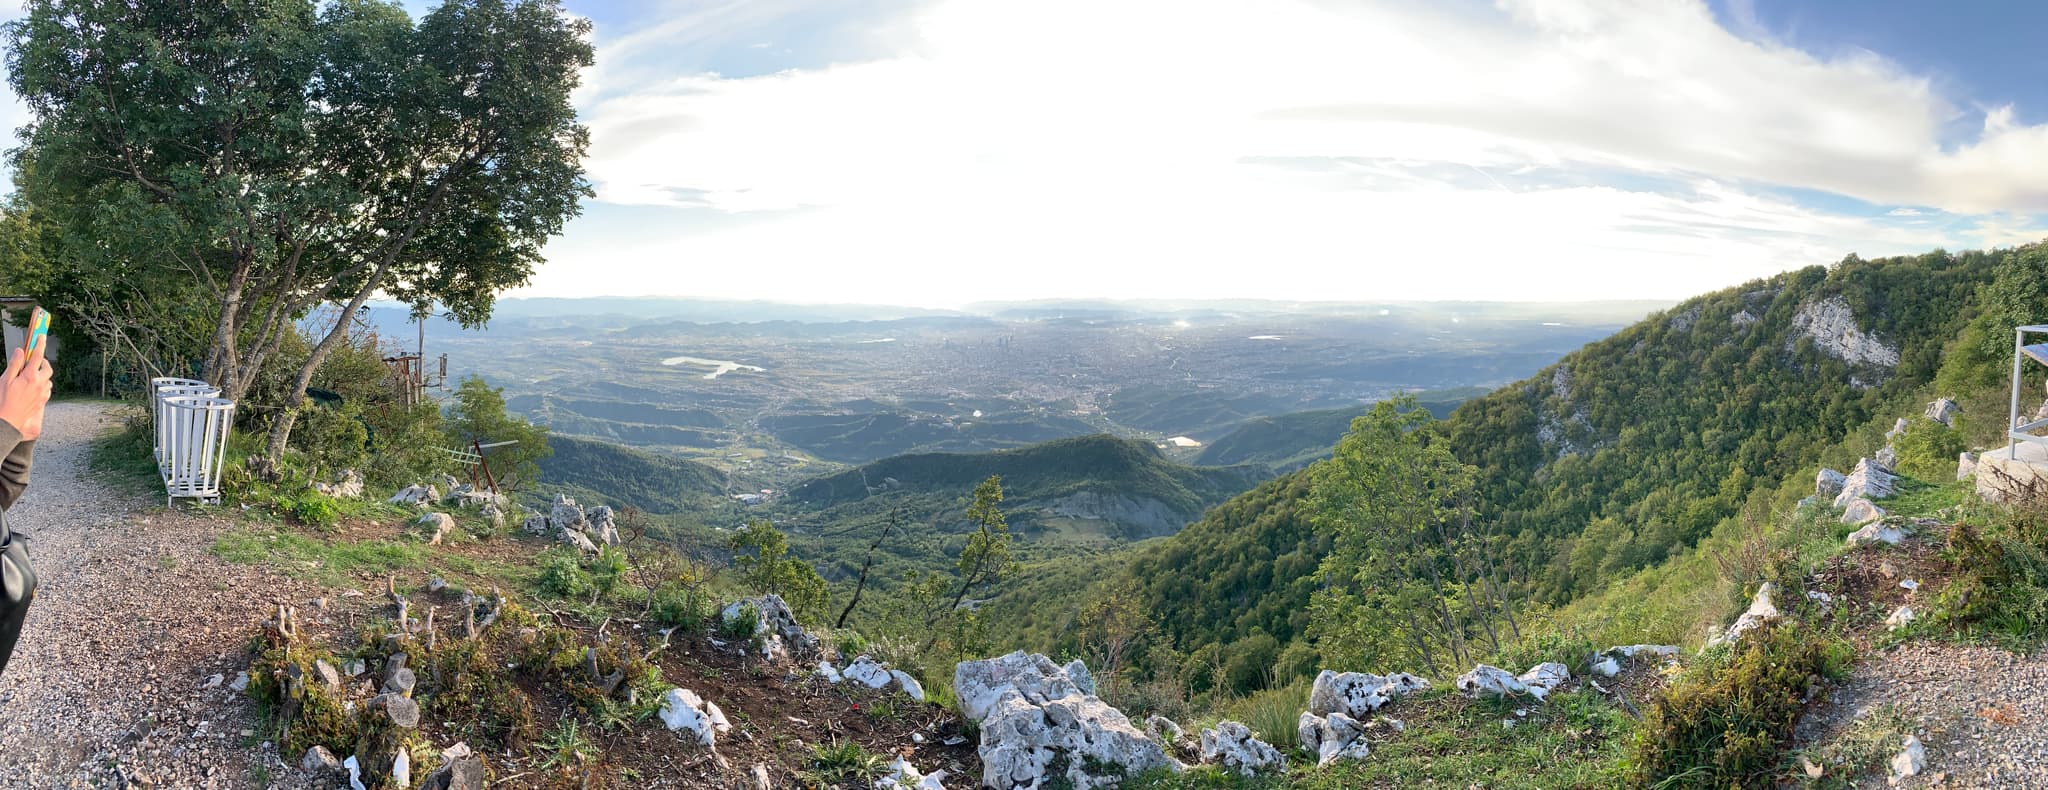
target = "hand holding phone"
x: 25, y: 386
x: 38, y: 331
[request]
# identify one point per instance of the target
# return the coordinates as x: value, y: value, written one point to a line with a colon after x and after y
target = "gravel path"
x: 133, y: 618
x: 1981, y: 712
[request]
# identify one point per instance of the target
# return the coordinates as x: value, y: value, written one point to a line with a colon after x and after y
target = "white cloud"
x: 1140, y: 147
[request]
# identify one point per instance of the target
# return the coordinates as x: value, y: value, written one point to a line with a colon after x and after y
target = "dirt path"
x: 113, y: 683
x: 1981, y: 712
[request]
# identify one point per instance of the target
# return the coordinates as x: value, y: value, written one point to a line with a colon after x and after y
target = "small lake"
x: 719, y: 367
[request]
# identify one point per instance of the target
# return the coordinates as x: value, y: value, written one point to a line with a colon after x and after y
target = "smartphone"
x: 38, y: 329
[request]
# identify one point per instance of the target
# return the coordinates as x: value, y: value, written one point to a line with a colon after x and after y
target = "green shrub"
x: 741, y: 625
x: 678, y: 606
x: 1726, y: 722
x: 1928, y: 449
x: 2003, y: 590
x: 331, y: 438
x: 313, y: 509
x: 607, y: 570
x: 409, y: 446
x: 562, y: 574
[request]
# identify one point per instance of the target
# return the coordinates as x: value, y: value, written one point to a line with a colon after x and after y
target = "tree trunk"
x: 288, y: 413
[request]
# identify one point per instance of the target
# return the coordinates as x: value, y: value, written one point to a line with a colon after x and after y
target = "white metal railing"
x: 195, y: 430
x: 164, y: 387
x: 2016, y: 430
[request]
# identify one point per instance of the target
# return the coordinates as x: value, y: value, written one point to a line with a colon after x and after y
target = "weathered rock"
x: 415, y: 495
x: 461, y: 769
x: 908, y: 684
x: 1359, y: 694
x: 537, y: 525
x: 1163, y: 729
x: 1910, y: 761
x: 1942, y: 410
x: 400, y: 682
x: 1832, y: 325
x: 603, y: 527
x: 1607, y: 663
x: 867, y: 671
x: 494, y: 513
x: 1761, y: 610
x: 241, y: 682
x: 1966, y: 465
x: 398, y: 709
x: 1900, y: 618
x: 1862, y: 511
x: 1544, y: 678
x: 347, y: 485
x: 328, y: 675
x: 1868, y: 480
x: 565, y: 516
x: 393, y: 664
x: 829, y: 672
x: 320, y: 762
x: 683, y: 711
x: 1489, y: 681
x: 1887, y: 457
x: 1232, y: 745
x: 1033, y: 716
x: 1898, y: 429
x: 1078, y: 672
x: 1875, y: 532
x: 579, y: 540
x: 435, y: 527
x: 1332, y: 738
x: 776, y: 627
x: 904, y: 776
x: 1828, y: 483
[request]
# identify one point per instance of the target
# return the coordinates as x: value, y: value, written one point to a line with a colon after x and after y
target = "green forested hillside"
x: 1287, y: 442
x: 1097, y: 463
x: 1618, y: 456
x: 625, y: 476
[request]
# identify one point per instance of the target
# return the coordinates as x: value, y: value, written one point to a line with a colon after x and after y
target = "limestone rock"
x: 829, y: 673
x: 1359, y: 694
x: 1761, y: 610
x: 1875, y: 532
x: 1033, y: 715
x: 398, y: 708
x: 603, y: 527
x: 867, y: 671
x: 435, y: 527
x: 908, y: 684
x: 536, y: 525
x: 1887, y: 457
x: 1607, y: 663
x: 1544, y: 678
x: 1966, y: 465
x: 1828, y: 483
x: 683, y: 711
x: 493, y: 513
x: 904, y: 776
x: 1900, y: 618
x: 1869, y: 480
x: 1862, y: 511
x: 1332, y: 738
x: 1489, y: 681
x: 1163, y: 729
x: 565, y: 516
x: 1942, y: 410
x: 1898, y: 429
x: 776, y: 627
x: 347, y: 485
x: 1078, y: 672
x: 1232, y: 745
x: 461, y: 769
x: 1910, y: 761
x: 1832, y: 325
x: 579, y: 540
x: 415, y: 495
x: 320, y: 762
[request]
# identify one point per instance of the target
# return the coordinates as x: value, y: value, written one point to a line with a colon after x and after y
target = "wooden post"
x: 483, y: 464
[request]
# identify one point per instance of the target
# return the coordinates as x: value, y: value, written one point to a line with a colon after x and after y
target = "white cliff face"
x: 1832, y: 325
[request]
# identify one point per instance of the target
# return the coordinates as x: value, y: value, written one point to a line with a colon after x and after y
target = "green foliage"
x: 566, y: 746
x: 332, y: 438
x: 845, y: 761
x: 332, y: 563
x: 1928, y: 449
x: 607, y: 571
x: 313, y: 509
x: 594, y: 471
x: 1728, y: 719
x: 1290, y: 441
x: 478, y: 415
x: 742, y: 625
x: 2016, y: 296
x: 2003, y: 589
x: 562, y: 574
x: 409, y: 446
x: 770, y: 569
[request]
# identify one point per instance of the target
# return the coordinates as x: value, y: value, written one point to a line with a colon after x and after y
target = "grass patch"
x: 125, y: 459
x: 331, y: 563
x: 1921, y: 499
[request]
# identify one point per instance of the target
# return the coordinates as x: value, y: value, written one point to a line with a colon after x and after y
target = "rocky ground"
x: 121, y: 676
x: 1981, y: 712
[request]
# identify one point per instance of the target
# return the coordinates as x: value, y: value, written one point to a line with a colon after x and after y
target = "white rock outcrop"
x: 1942, y: 410
x: 1828, y: 483
x: 1332, y: 738
x: 416, y: 495
x: 1862, y: 511
x: 602, y: 526
x: 1832, y: 325
x: 867, y: 672
x: 1900, y: 618
x: 1966, y: 465
x: 683, y: 711
x: 1910, y: 761
x: 1761, y: 610
x: 1875, y: 532
x: 908, y: 684
x: 1163, y: 729
x: 1607, y: 663
x: 435, y: 527
x: 347, y: 485
x: 1033, y: 716
x: 775, y: 627
x: 1359, y: 694
x: 1233, y: 746
x: 1491, y: 681
x: 1869, y: 480
x: 903, y: 776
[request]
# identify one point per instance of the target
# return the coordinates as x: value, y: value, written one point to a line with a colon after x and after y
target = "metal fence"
x: 195, y: 430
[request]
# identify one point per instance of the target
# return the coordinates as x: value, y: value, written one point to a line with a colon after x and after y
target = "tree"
x: 479, y: 415
x: 260, y: 157
x: 983, y: 561
x: 770, y: 569
x: 1410, y: 576
x: 1111, y: 627
x: 889, y: 527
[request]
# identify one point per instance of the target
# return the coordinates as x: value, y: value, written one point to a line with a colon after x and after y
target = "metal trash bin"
x: 161, y: 388
x: 195, y: 431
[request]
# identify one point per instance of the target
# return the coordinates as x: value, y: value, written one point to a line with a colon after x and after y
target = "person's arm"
x: 14, y: 467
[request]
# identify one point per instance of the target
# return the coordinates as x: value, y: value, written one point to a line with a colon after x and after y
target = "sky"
x: 939, y: 152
